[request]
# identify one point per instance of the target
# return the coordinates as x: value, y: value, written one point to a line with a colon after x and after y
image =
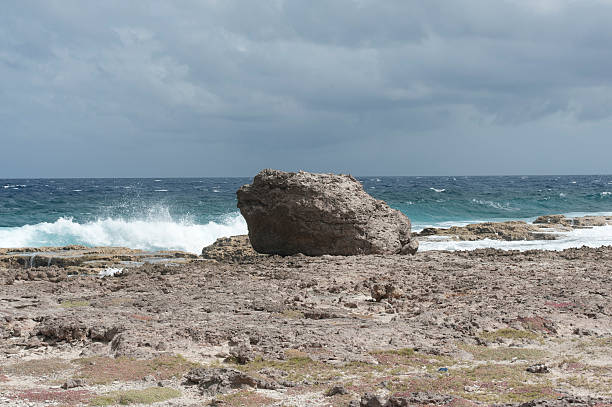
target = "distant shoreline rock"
x: 316, y: 214
x: 543, y: 228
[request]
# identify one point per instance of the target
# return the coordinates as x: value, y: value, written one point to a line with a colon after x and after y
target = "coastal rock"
x: 543, y: 228
x: 233, y: 249
x: 316, y: 214
x: 558, y: 221
x: 509, y: 231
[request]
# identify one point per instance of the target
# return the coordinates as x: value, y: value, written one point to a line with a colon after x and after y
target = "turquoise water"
x: 188, y: 213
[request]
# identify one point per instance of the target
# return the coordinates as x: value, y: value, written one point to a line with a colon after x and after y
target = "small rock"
x: 336, y: 390
x: 72, y: 383
x: 389, y: 291
x: 538, y: 368
x: 372, y: 400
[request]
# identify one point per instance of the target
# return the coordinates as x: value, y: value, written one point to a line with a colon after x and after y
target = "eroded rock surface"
x: 414, y: 330
x: 315, y: 214
x: 231, y: 249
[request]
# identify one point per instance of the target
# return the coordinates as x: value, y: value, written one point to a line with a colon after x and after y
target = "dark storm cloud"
x: 363, y: 86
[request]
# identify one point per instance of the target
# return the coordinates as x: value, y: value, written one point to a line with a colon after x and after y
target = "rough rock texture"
x: 315, y: 214
x: 459, y: 326
x: 575, y: 223
x: 221, y: 380
x: 511, y: 230
x: 231, y: 249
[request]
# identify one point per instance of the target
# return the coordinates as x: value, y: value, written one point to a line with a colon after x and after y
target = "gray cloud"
x: 228, y: 87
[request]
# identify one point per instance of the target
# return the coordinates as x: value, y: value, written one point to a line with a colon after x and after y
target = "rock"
x: 316, y: 214
x: 552, y: 219
x: 335, y: 390
x: 63, y: 329
x: 558, y: 221
x: 233, y: 249
x: 213, y: 381
x: 538, y: 368
x: 410, y: 399
x: 241, y: 352
x: 509, y: 231
x: 388, y: 292
x: 103, y: 333
x: 72, y: 383
x: 372, y: 400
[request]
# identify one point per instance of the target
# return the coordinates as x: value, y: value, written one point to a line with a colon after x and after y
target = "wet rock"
x: 509, y: 231
x: 316, y: 214
x: 578, y: 222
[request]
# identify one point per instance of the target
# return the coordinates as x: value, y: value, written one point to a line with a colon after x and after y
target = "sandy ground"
x: 484, y: 327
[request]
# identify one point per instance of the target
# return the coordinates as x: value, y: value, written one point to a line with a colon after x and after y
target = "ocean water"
x: 190, y: 213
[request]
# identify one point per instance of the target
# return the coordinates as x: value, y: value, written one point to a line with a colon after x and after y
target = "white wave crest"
x: 493, y: 204
x: 438, y: 190
x: 148, y: 234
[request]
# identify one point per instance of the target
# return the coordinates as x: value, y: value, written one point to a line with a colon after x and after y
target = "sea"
x: 190, y: 213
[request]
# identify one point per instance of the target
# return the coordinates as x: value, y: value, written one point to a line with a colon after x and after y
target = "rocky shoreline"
x: 237, y: 328
x: 545, y: 227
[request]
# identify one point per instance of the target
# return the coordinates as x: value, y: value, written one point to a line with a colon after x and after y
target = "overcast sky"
x: 368, y: 87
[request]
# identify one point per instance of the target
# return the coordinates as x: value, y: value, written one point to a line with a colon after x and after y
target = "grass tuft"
x: 126, y: 397
x: 102, y: 370
x: 74, y: 303
x: 509, y: 333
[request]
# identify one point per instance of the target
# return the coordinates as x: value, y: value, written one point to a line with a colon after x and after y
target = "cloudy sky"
x: 368, y: 87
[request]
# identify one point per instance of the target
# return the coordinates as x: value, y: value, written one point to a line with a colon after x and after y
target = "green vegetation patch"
x: 298, y: 369
x: 504, y: 353
x: 70, y: 397
x: 490, y: 383
x: 126, y: 397
x: 246, y: 398
x: 405, y: 360
x: 102, y: 370
x: 74, y: 303
x: 37, y: 367
x: 509, y: 333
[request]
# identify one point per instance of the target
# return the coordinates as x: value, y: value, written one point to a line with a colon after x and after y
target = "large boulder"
x: 315, y: 214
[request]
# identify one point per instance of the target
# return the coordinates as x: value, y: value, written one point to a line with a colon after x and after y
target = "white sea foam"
x: 438, y: 190
x: 594, y: 237
x: 152, y: 233
x: 496, y: 205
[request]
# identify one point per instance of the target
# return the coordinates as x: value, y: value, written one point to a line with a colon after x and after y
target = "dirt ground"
x: 484, y: 327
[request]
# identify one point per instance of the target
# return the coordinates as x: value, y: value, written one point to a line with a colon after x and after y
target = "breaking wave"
x: 162, y: 233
